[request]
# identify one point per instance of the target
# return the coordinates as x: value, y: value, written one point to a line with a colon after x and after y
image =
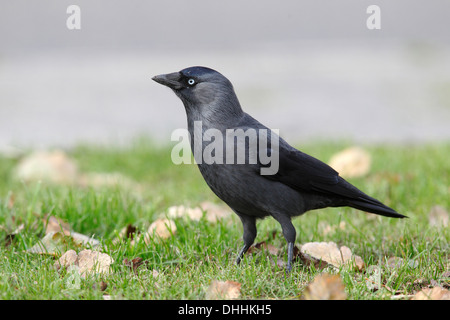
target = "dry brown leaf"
x: 93, y: 262
x: 351, y: 162
x: 263, y: 245
x: 86, y: 262
x: 134, y: 263
x: 330, y: 253
x: 53, y: 243
x: 225, y: 290
x: 57, y: 167
x: 9, y: 238
x: 69, y: 258
x: 54, y: 166
x: 184, y: 212
x: 435, y: 293
x: 325, y: 287
x: 100, y: 286
x: 54, y: 224
x: 161, y: 228
x: 129, y: 232
x: 438, y: 217
x: 214, y: 211
x: 84, y: 239
x: 308, y: 260
x: 107, y: 180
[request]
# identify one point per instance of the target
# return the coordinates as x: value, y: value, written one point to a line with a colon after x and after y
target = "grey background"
x: 309, y: 68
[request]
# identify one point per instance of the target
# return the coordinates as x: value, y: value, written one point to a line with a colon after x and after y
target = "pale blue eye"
x: 191, y: 82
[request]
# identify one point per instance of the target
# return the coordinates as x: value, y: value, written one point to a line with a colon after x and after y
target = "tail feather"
x: 349, y: 195
x: 357, y: 199
x: 374, y: 206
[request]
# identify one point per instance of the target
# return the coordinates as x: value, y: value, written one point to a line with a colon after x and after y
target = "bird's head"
x: 200, y: 87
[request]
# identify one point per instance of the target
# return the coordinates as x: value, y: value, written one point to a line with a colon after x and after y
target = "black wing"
x: 304, y: 173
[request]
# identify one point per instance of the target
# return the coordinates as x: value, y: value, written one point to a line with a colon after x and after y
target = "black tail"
x: 357, y: 199
x: 372, y: 205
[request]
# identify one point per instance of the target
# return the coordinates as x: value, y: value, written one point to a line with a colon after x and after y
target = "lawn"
x: 410, y: 178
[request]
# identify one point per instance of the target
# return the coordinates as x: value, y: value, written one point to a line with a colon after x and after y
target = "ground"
x: 410, y: 178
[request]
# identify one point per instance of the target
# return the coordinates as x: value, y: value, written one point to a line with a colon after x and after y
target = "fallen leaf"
x: 54, y: 224
x: 107, y: 180
x: 53, y: 243
x: 325, y: 287
x: 330, y: 253
x: 84, y: 239
x: 226, y: 290
x: 161, y: 228
x: 419, y: 283
x: 100, y: 286
x: 184, y: 212
x: 9, y: 238
x: 214, y: 211
x: 349, y: 257
x: 129, y: 231
x: 85, y: 262
x: 93, y: 262
x: 434, y: 283
x: 308, y: 260
x: 134, y: 263
x: 435, y: 293
x: 50, y: 166
x: 263, y: 245
x: 69, y: 258
x: 351, y: 162
x: 438, y: 216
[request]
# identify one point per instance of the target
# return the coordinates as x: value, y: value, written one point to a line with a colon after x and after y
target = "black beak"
x: 171, y: 80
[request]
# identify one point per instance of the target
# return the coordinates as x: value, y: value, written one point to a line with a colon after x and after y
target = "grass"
x: 410, y: 178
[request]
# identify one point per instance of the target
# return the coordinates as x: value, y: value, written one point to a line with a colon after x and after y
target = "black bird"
x: 302, y: 182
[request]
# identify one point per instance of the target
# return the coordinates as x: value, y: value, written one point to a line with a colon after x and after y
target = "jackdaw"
x: 297, y: 184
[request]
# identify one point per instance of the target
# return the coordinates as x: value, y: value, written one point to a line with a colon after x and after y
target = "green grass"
x: 410, y: 178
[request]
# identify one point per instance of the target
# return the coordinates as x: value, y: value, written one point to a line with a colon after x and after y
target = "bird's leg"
x: 290, y: 257
x: 289, y: 234
x: 249, y: 224
x: 241, y: 253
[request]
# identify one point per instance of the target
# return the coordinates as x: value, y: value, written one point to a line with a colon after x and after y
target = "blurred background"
x: 309, y: 68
